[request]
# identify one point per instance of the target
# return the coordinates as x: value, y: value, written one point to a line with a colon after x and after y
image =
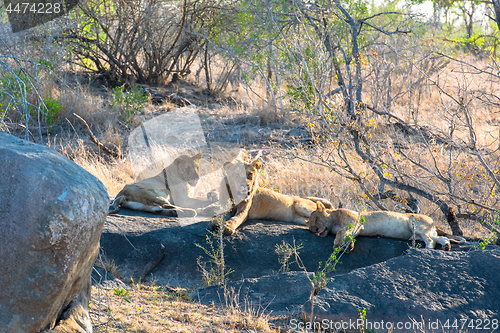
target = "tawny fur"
x: 342, y: 222
x: 254, y: 202
x: 153, y: 195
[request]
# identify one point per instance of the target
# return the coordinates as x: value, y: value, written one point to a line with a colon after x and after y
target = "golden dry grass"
x: 154, y: 309
x: 149, y: 308
x: 425, y: 103
x: 114, y: 173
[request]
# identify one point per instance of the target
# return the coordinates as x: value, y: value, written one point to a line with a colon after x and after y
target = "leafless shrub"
x: 149, y: 41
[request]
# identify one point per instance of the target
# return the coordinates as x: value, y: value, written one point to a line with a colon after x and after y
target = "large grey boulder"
x: 52, y: 212
x: 433, y: 288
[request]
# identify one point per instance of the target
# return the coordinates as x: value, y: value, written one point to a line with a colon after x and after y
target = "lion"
x: 241, y: 186
x: 342, y: 222
x: 155, y: 195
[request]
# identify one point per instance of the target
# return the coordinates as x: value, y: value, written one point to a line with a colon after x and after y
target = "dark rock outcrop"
x: 382, y: 275
x: 250, y: 253
x: 279, y: 294
x: 134, y: 256
x: 427, y: 287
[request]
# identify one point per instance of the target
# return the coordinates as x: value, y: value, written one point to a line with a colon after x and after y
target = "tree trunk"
x: 452, y: 221
x: 496, y: 9
x: 207, y: 69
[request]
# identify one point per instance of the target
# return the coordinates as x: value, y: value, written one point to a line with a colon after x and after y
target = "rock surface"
x: 250, y: 253
x: 52, y: 216
x: 279, y: 294
x: 424, y: 286
x: 136, y: 257
x: 380, y: 274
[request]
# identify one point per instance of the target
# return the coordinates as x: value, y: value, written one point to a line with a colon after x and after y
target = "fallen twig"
x: 94, y: 139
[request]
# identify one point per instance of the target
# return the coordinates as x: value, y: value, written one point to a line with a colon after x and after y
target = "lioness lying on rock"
x: 156, y: 194
x: 378, y: 223
x: 241, y: 184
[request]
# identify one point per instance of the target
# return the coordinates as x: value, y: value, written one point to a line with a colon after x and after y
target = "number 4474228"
x: 34, y: 8
x: 474, y: 324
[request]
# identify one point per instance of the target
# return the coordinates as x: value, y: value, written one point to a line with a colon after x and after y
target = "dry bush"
x: 293, y: 172
x: 36, y: 99
x: 90, y: 104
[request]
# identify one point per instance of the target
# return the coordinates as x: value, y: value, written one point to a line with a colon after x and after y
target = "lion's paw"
x: 214, y: 225
x: 186, y: 213
x: 228, y: 231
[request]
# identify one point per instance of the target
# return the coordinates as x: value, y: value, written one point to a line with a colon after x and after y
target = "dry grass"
x: 295, y: 172
x: 149, y: 308
x: 422, y: 102
x: 114, y: 174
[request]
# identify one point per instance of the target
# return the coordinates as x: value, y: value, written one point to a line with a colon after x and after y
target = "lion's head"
x: 188, y: 169
x: 240, y: 180
x: 319, y: 222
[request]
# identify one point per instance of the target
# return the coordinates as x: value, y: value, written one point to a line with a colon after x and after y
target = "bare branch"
x: 94, y: 139
x: 479, y: 70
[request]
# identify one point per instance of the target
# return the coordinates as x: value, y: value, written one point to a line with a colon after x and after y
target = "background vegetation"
x: 400, y: 105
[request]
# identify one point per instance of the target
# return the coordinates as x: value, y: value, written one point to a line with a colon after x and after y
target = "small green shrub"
x: 285, y: 251
x: 495, y: 225
x: 128, y: 103
x: 362, y: 317
x: 122, y: 293
x: 215, y: 271
x: 46, y: 63
x: 50, y: 110
x: 14, y: 92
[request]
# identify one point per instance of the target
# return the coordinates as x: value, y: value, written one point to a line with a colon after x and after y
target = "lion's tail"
x: 453, y: 238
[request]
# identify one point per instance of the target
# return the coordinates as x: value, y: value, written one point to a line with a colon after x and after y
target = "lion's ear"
x: 197, y: 157
x: 243, y: 155
x: 320, y: 207
x: 257, y: 165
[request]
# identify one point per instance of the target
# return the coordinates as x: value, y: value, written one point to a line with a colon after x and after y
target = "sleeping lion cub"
x: 241, y: 184
x: 156, y: 194
x: 378, y: 223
